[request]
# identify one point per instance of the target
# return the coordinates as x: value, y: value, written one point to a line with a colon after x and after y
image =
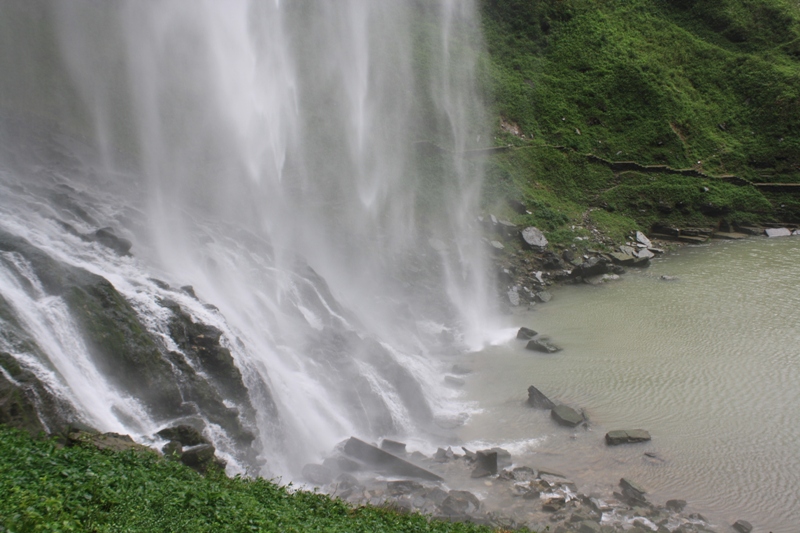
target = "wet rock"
x: 534, y: 238
x: 589, y: 526
x: 394, y: 447
x: 742, y: 526
x: 400, y: 488
x: 184, y: 434
x: 199, y: 457
x: 623, y: 259
x: 632, y: 492
x: 675, y: 505
x: 526, y: 333
x: 513, y: 297
x: 470, y: 455
x: 172, y: 450
x: 626, y: 436
x: 540, y: 345
x: 460, y: 503
x: 443, y: 456
x: 485, y: 464
x: 188, y: 289
x: 383, y: 460
x: 341, y: 464
x: 107, y: 238
x: 538, y: 400
x: 566, y: 416
x: 454, y: 381
x: 777, y: 232
x: 317, y: 474
x: 436, y: 495
x: 593, y: 266
x: 461, y: 369
x: 668, y: 278
x: 552, y: 505
x: 543, y: 297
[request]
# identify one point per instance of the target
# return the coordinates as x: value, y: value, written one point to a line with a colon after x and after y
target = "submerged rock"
x: 743, y: 526
x: 566, y: 416
x: 526, y: 333
x: 538, y: 400
x: 383, y: 460
x: 626, y: 436
x: 540, y: 345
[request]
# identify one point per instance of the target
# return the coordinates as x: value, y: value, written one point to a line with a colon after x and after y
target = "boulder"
x: 589, y: 526
x: 513, y: 297
x: 534, y: 238
x: 385, y: 461
x: 593, y: 266
x: 552, y: 505
x: 566, y: 416
x: 172, y: 450
x: 777, y: 232
x: 633, y: 492
x: 199, y: 457
x: 675, y: 505
x: 640, y: 237
x: 538, y: 400
x: 317, y: 474
x: 543, y: 297
x: 403, y: 487
x: 459, y: 503
x: 626, y: 436
x: 622, y: 258
x: 627, y: 250
x: 742, y: 526
x: 184, y: 434
x: 526, y: 333
x: 485, y: 464
x: 392, y: 446
x: 538, y: 345
x: 644, y: 253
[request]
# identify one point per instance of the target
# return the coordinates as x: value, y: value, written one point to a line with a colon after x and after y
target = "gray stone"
x: 632, y: 491
x: 675, y: 505
x: 543, y: 346
x: 553, y: 505
x: 623, y: 259
x: 184, y: 434
x: 459, y: 503
x: 644, y: 253
x: 497, y: 245
x: 589, y: 526
x: 668, y: 278
x: 543, y: 296
x: 198, y: 457
x: 526, y: 333
x: 399, y: 488
x: 566, y: 416
x: 317, y: 474
x: 172, y: 450
x: 743, y: 526
x: 640, y: 237
x: 538, y: 400
x: 392, y: 446
x: 461, y: 369
x: 534, y: 237
x: 513, y: 297
x: 777, y: 232
x: 626, y: 436
x: 627, y: 250
x: 377, y: 458
x: 107, y: 238
x: 485, y: 464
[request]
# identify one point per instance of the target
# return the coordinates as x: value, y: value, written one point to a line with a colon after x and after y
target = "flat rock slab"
x: 626, y: 436
x: 526, y: 334
x: 692, y: 239
x: 729, y: 236
x: 566, y: 416
x: 541, y: 346
x: 622, y: 258
x: 777, y: 232
x: 538, y: 400
x: 377, y: 458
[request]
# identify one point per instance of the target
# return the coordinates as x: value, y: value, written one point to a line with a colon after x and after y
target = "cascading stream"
x: 299, y: 164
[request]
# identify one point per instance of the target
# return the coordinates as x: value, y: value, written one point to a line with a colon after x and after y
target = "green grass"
x: 47, y: 488
x: 706, y: 84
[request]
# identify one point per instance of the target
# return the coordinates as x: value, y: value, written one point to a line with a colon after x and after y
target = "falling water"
x: 302, y: 164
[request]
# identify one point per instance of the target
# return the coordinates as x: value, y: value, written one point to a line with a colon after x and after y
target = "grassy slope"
x: 706, y: 84
x: 46, y: 488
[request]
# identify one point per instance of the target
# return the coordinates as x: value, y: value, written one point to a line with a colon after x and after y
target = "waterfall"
x: 301, y: 164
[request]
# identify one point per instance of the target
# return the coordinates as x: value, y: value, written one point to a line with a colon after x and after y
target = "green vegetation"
x: 49, y: 488
x: 712, y: 85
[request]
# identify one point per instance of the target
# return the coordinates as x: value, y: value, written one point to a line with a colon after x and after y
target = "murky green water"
x: 709, y: 364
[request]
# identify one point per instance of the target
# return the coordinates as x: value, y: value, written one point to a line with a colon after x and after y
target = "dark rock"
x: 383, y: 460
x: 566, y: 416
x: 107, y: 238
x: 622, y: 259
x: 742, y: 526
x: 188, y: 289
x: 394, y: 447
x: 460, y: 503
x: 199, y: 457
x: 589, y: 526
x: 184, y: 434
x: 626, y: 436
x: 594, y: 266
x: 534, y: 238
x: 317, y: 474
x: 470, y: 455
x: 160, y: 284
x: 400, y: 488
x: 436, y: 495
x: 538, y: 345
x: 443, y: 456
x: 172, y: 450
x: 341, y: 464
x: 485, y: 464
x: 538, y: 400
x: 346, y: 481
x: 668, y: 278
x: 632, y: 492
x: 526, y: 333
x: 503, y: 456
x: 675, y: 505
